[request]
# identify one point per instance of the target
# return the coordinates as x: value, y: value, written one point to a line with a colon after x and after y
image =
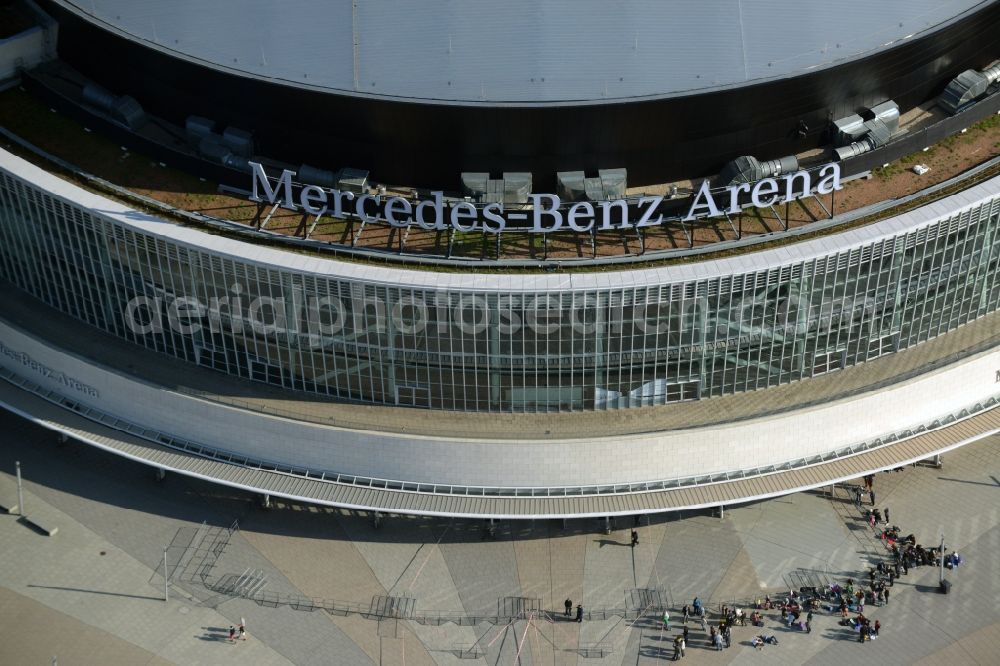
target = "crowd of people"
x: 848, y: 600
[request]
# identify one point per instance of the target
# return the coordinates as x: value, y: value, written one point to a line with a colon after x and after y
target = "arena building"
x: 551, y: 377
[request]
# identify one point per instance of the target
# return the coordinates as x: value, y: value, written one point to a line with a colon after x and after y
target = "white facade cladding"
x: 549, y: 465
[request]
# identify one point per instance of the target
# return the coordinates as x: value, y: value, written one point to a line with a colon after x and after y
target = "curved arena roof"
x: 522, y: 51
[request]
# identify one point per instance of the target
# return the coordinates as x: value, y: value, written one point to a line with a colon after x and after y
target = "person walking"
x: 232, y: 634
x: 677, y: 648
x: 857, y: 497
x: 871, y: 495
x: 878, y: 628
x: 243, y: 629
x: 885, y: 593
x: 701, y: 617
x: 666, y: 620
x: 568, y: 608
x: 579, y: 612
x: 809, y: 620
x: 685, y: 634
x: 687, y: 613
x: 886, y: 515
x: 635, y: 538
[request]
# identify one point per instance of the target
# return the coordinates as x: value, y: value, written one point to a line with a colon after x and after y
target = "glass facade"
x: 559, y: 350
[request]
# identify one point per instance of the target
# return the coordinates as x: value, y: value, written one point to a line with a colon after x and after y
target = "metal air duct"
x: 967, y: 87
x: 748, y: 169
x: 316, y: 176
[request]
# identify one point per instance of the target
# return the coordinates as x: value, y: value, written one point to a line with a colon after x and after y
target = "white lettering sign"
x: 48, y: 373
x: 544, y: 213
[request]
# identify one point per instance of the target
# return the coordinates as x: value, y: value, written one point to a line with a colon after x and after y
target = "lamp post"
x: 166, y: 578
x: 20, y: 496
x: 941, y: 577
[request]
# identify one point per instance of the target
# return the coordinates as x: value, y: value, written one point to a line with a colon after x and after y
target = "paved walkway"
x: 92, y: 594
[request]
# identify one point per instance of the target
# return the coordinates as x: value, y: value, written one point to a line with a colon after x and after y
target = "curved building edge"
x: 602, y: 463
x: 428, y: 144
x: 295, y: 488
x: 486, y: 70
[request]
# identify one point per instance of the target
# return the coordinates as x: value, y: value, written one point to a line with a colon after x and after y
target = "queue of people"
x: 797, y: 608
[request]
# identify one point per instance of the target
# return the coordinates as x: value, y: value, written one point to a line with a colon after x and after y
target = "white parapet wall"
x: 506, y: 463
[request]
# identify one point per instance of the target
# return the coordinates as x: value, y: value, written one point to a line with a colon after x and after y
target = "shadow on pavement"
x: 610, y: 542
x: 111, y: 594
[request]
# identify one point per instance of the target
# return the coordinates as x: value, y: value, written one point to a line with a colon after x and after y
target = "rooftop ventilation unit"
x: 352, y: 180
x: 238, y: 162
x: 97, y: 97
x: 239, y: 141
x: 878, y: 132
x: 848, y: 129
x: 747, y: 169
x: 571, y: 185
x: 967, y: 87
x: 575, y: 186
x: 854, y: 127
x: 888, y: 113
x: 593, y: 189
x: 880, y: 124
x: 494, y: 191
x: 516, y: 187
x: 475, y: 184
x: 513, y: 188
x: 128, y: 112
x: 878, y: 135
x: 614, y: 182
x: 316, y: 176
x: 212, y: 148
x: 345, y: 180
x: 198, y: 127
x: 124, y: 109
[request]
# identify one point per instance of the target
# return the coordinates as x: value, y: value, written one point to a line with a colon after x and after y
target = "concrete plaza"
x: 321, y: 586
